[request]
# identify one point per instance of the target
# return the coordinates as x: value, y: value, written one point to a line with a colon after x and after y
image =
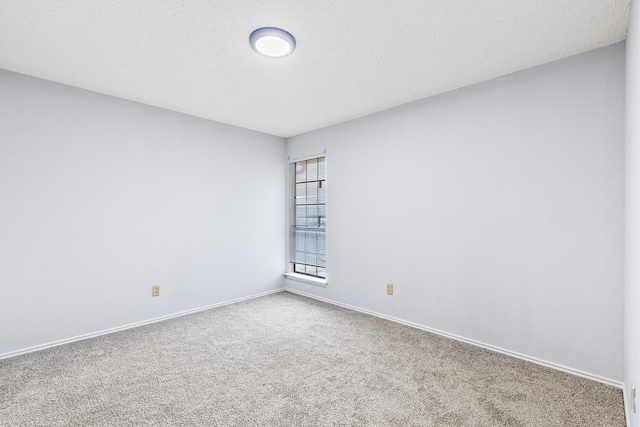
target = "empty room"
x: 319, y: 213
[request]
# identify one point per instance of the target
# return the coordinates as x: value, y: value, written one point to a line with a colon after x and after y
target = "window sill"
x: 306, y: 279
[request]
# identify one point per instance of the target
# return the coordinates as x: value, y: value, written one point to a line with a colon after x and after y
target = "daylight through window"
x: 308, y: 249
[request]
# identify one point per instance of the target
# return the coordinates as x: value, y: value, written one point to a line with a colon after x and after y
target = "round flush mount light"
x: 272, y: 42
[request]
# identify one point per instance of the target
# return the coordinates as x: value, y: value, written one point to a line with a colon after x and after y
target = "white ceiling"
x: 353, y: 57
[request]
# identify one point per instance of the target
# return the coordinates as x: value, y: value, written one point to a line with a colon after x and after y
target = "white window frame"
x: 289, y: 273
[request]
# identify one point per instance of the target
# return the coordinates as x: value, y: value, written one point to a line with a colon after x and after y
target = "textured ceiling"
x: 353, y: 57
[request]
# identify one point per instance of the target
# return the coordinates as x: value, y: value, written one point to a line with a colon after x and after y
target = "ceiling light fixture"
x: 272, y: 42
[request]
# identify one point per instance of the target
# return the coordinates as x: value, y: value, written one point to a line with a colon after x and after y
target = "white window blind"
x: 308, y: 207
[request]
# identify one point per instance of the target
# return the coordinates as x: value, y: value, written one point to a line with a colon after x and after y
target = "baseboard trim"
x: 627, y: 409
x: 603, y: 380
x: 607, y: 381
x: 133, y: 325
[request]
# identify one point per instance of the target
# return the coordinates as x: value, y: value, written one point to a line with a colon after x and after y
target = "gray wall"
x: 101, y: 198
x: 632, y: 265
x: 497, y: 211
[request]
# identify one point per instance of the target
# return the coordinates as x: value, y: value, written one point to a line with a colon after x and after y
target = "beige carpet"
x: 285, y: 360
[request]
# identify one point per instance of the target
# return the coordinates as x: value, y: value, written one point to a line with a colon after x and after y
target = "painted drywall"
x: 101, y: 198
x: 632, y: 214
x: 497, y: 211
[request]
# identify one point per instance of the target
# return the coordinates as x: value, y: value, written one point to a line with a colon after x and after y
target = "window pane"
x: 311, y: 244
x: 301, y: 171
x: 321, y: 168
x: 312, y: 216
x: 301, y: 194
x: 312, y: 192
x: 312, y: 170
x: 321, y: 192
x: 299, y: 257
x: 321, y: 249
x: 298, y: 246
x: 320, y: 211
x: 301, y: 216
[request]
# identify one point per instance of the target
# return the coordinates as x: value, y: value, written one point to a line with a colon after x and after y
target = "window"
x: 307, y: 234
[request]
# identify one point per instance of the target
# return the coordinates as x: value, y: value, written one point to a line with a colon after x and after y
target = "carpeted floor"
x: 285, y: 360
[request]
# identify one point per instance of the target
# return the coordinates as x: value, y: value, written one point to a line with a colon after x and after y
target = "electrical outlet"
x: 633, y: 398
x: 155, y: 290
x: 389, y: 289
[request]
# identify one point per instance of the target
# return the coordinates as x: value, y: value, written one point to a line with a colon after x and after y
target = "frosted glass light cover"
x: 272, y: 42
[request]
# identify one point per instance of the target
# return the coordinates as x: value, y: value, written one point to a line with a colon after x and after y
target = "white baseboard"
x: 627, y: 407
x: 556, y: 366
x: 562, y: 368
x: 132, y: 325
